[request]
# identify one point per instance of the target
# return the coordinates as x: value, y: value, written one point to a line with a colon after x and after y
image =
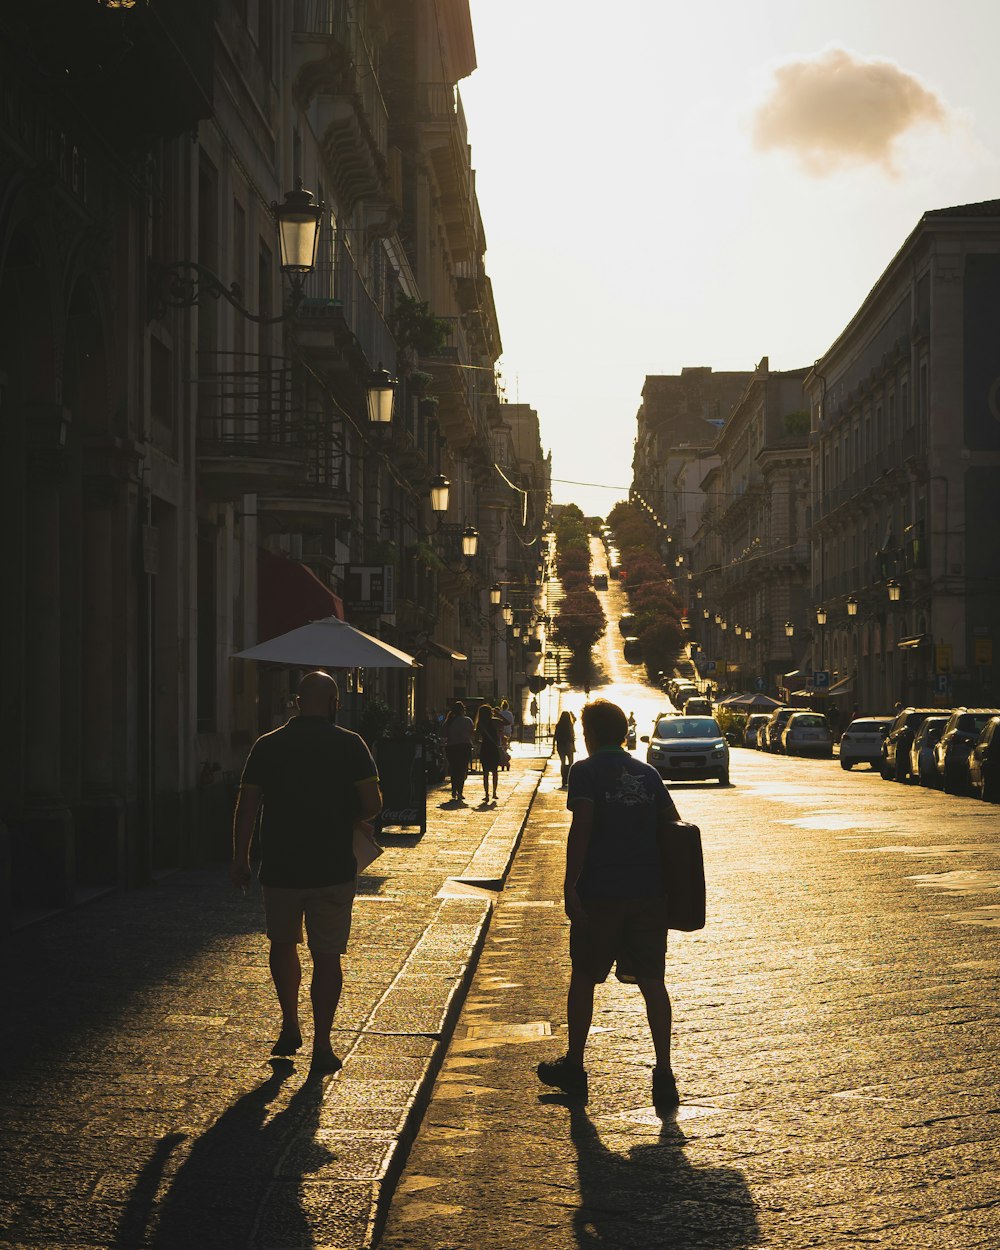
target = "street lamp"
x: 439, y: 494
x: 182, y: 283
x: 470, y: 540
x: 895, y: 590
x: 298, y: 231
x: 508, y: 613
x: 821, y: 622
x: 789, y: 629
x: 381, y: 393
x: 852, y: 605
x: 496, y: 594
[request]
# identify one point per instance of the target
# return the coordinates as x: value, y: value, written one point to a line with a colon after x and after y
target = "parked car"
x: 895, y: 761
x: 600, y: 581
x: 769, y: 737
x: 861, y: 742
x: 698, y: 706
x: 807, y: 733
x: 923, y: 769
x: 681, y: 692
x: 632, y: 651
x: 951, y: 752
x: 688, y: 747
x: 755, y: 722
x: 626, y: 623
x: 984, y: 762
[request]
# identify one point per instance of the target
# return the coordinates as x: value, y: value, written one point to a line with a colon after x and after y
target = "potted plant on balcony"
x: 415, y: 328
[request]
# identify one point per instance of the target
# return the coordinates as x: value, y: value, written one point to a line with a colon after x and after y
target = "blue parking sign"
x: 821, y: 678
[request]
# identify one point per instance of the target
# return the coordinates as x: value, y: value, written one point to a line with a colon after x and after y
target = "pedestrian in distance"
x: 564, y: 739
x: 489, y: 728
x: 613, y: 893
x: 314, y: 782
x: 506, y: 717
x: 458, y: 732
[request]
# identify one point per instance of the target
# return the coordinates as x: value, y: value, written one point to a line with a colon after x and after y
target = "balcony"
x: 334, y: 74
x: 134, y: 73
x: 444, y: 137
x: 322, y: 489
x: 249, y: 427
x: 338, y: 315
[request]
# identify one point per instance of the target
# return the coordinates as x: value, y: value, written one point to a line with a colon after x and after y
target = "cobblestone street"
x: 835, y: 1041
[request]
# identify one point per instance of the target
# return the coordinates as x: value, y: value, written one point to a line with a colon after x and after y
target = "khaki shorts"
x: 632, y: 931
x: 327, y: 912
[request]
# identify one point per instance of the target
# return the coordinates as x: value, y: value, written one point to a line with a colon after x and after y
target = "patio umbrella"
x: 750, y: 702
x: 328, y: 643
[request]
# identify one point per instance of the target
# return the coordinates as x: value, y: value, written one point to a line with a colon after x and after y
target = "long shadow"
x: 652, y: 1198
x: 219, y: 1192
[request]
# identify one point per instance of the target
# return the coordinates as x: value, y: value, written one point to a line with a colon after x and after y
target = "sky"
x: 670, y: 184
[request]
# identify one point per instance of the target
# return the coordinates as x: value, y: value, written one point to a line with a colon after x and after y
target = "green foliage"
x: 796, y: 422
x: 414, y: 326
x: 651, y: 594
x: 579, y: 620
x: 662, y: 643
x: 376, y: 719
x: 731, y: 721
x: 423, y: 553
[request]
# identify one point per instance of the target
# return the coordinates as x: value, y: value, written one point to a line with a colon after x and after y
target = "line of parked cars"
x: 790, y: 731
x: 955, y: 750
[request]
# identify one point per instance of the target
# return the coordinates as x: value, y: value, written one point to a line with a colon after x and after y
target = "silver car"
x: 862, y: 741
x: 807, y: 733
x: 689, y: 748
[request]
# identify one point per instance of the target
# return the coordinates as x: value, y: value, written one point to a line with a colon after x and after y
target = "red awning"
x: 290, y: 595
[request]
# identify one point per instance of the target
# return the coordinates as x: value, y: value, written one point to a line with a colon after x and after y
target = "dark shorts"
x: 633, y: 931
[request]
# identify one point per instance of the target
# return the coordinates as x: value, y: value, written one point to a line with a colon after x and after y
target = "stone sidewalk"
x: 138, y: 1106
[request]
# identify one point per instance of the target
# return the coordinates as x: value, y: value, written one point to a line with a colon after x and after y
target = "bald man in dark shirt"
x: 315, y: 781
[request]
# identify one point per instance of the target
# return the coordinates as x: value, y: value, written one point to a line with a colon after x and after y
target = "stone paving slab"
x: 836, y: 1033
x: 138, y: 1107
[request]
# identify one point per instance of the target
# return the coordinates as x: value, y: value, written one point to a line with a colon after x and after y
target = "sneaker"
x: 665, y: 1096
x: 564, y: 1074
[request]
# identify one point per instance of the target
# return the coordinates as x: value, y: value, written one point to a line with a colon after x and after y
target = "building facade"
x: 189, y: 463
x: 906, y: 469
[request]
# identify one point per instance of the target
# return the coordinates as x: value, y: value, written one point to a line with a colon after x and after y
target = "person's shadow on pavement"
x: 227, y: 1180
x: 652, y: 1198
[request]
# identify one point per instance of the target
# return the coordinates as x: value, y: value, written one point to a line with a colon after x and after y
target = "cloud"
x: 840, y: 109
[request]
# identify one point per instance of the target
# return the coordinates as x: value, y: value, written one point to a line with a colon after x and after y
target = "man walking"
x: 315, y: 781
x: 614, y: 894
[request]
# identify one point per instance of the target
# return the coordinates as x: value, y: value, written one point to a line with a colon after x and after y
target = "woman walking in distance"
x: 489, y: 728
x: 458, y: 731
x: 565, y: 743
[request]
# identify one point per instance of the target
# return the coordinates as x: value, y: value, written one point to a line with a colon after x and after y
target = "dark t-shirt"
x: 308, y: 771
x: 623, y: 858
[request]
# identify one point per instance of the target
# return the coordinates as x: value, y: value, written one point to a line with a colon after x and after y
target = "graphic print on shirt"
x: 631, y: 791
